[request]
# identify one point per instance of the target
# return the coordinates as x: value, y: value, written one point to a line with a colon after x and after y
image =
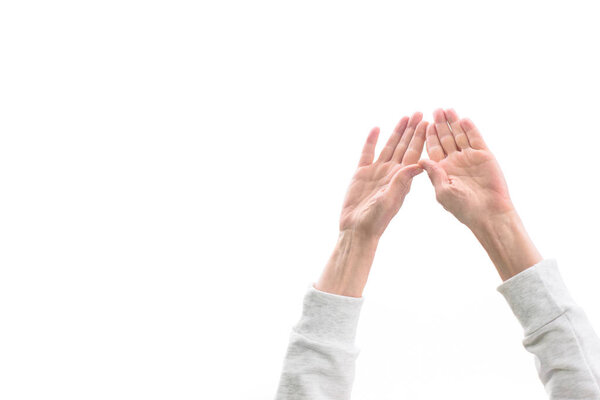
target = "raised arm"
x: 468, y: 182
x: 319, y: 363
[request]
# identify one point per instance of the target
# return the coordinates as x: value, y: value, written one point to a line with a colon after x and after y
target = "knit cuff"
x: 537, y: 295
x: 328, y: 317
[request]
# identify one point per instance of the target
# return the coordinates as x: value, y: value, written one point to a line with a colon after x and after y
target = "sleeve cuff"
x: 328, y: 317
x: 537, y: 295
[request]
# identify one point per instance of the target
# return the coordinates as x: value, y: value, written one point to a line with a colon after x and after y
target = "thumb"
x: 401, y: 180
x: 436, y: 174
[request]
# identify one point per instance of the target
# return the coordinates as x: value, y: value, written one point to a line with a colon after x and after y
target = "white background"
x: 171, y: 175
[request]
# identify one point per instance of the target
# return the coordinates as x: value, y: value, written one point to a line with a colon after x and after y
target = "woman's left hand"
x: 378, y: 188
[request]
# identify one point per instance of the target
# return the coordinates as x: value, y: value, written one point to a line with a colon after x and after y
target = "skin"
x: 468, y: 183
x: 375, y: 195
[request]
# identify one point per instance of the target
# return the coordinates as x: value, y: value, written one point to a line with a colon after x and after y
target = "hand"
x: 467, y: 179
x: 375, y: 195
x: 378, y: 188
x: 468, y: 183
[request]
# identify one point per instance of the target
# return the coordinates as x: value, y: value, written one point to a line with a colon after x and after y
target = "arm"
x: 557, y: 332
x: 469, y: 183
x: 321, y: 354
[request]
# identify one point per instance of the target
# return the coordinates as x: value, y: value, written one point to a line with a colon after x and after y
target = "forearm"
x: 507, y: 243
x: 319, y: 363
x: 557, y: 331
x: 347, y: 270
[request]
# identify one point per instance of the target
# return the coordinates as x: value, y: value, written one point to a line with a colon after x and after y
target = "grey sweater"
x: 320, y: 359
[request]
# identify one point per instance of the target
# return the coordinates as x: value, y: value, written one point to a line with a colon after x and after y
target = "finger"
x: 475, y: 138
x: 368, y: 152
x: 434, y: 147
x: 400, y: 183
x: 390, y: 146
x: 441, y: 126
x: 415, y: 148
x: 406, y: 137
x: 460, y: 137
x: 436, y: 174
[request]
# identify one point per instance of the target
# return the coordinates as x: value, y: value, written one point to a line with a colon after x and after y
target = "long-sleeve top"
x: 321, y: 355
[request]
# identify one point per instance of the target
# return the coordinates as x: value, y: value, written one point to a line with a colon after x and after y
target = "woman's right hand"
x: 467, y: 179
x: 468, y: 182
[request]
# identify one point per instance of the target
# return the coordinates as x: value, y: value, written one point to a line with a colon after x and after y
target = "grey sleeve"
x: 320, y: 358
x: 557, y: 332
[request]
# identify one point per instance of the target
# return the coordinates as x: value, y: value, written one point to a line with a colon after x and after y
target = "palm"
x: 466, y: 175
x: 476, y: 182
x: 377, y: 189
x: 366, y: 204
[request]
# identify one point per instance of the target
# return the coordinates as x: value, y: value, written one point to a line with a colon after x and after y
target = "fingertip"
x: 373, y: 134
x: 401, y: 125
x: 417, y: 171
x: 421, y: 129
x: 451, y: 115
x: 409, y: 171
x: 438, y: 115
x: 467, y: 124
x: 415, y: 119
x: 425, y: 163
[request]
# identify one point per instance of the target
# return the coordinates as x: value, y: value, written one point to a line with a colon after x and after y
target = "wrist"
x: 358, y: 238
x: 506, y: 241
x: 494, y: 225
x: 348, y: 268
